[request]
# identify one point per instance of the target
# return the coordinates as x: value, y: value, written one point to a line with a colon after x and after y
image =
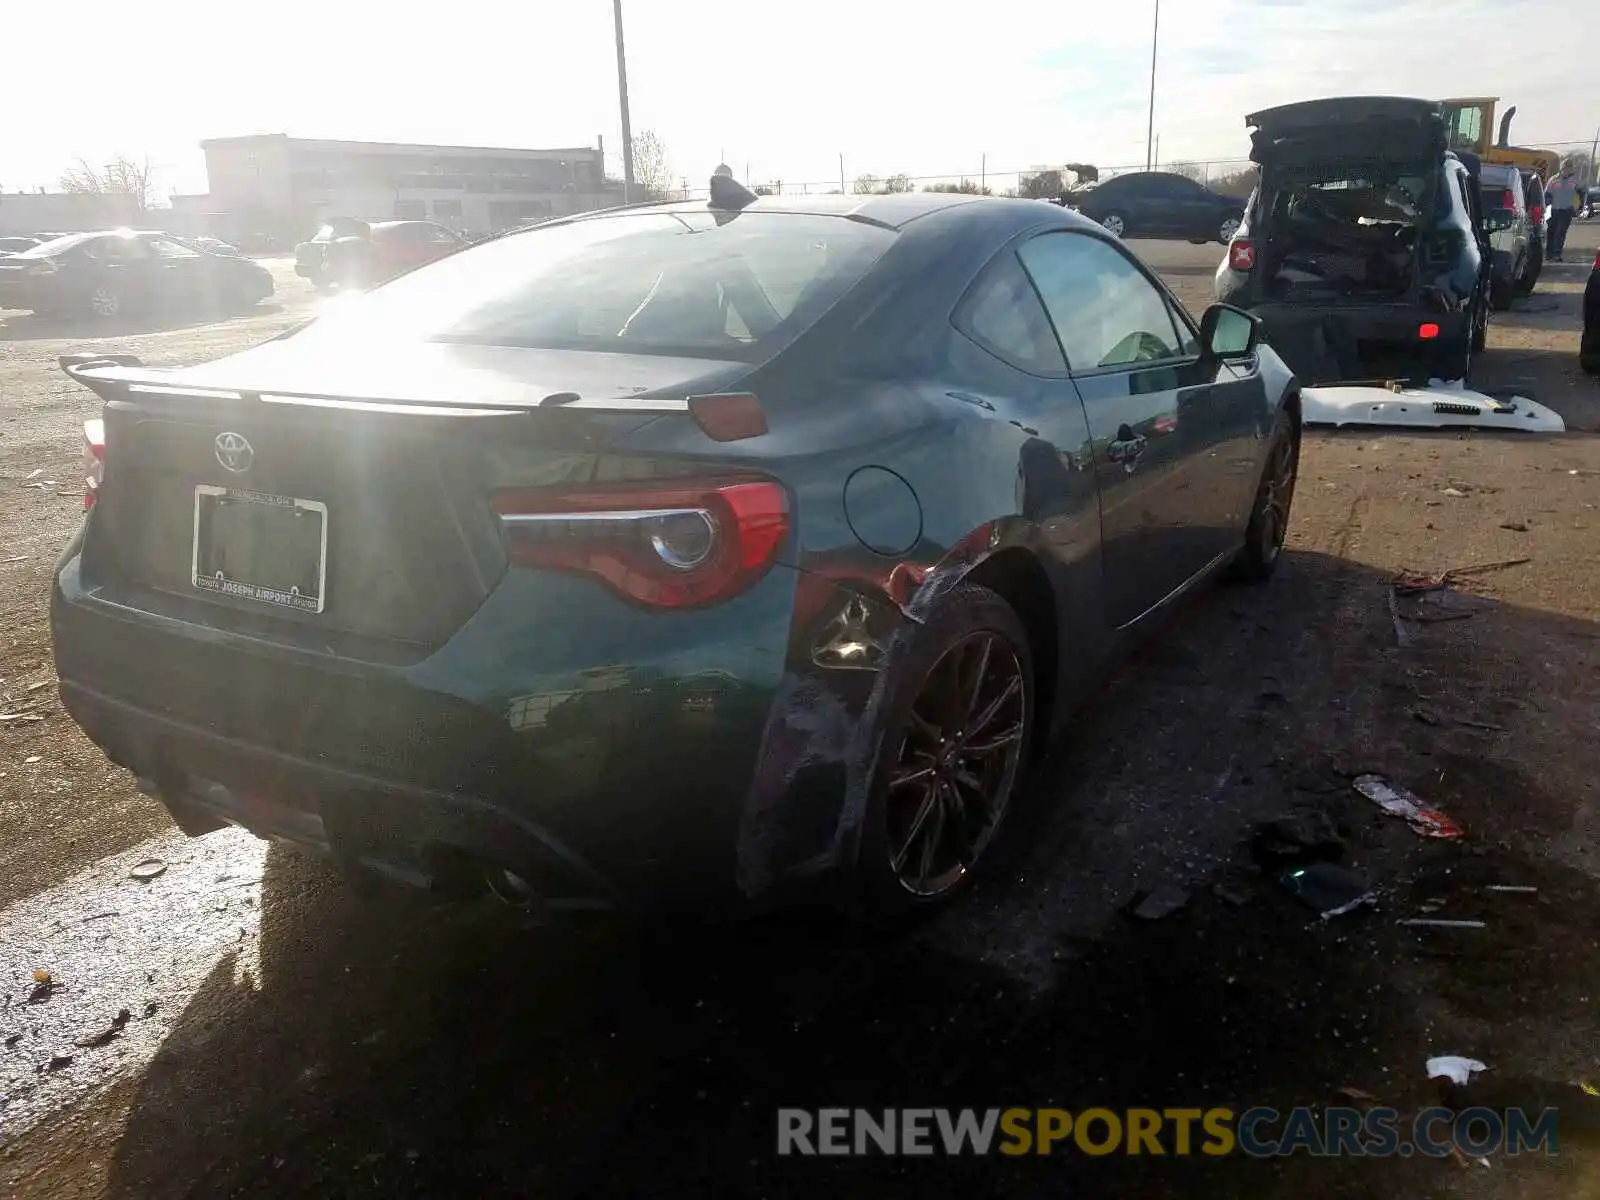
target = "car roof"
x: 893, y: 211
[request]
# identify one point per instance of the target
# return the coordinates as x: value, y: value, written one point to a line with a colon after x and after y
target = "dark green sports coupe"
x: 728, y: 553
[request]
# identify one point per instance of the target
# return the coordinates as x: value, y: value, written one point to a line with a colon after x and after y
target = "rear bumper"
x: 645, y: 760
x: 1325, y: 343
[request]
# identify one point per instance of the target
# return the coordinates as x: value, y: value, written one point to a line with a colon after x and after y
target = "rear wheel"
x: 957, y: 724
x: 1531, y: 272
x: 1501, y: 293
x: 105, y: 302
x: 1115, y: 224
x: 1269, y: 518
x: 1230, y: 226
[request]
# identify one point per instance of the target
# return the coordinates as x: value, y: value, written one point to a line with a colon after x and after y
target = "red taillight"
x: 94, y: 460
x: 678, y: 545
x: 1537, y: 213
x: 1430, y: 330
x: 1242, y: 254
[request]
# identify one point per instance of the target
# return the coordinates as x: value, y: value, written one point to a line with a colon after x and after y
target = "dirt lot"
x: 286, y: 1038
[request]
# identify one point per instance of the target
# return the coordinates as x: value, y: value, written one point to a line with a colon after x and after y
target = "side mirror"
x: 1228, y: 332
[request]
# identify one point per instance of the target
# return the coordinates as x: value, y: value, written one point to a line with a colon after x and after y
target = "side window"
x: 1105, y: 310
x: 162, y: 248
x: 1002, y: 313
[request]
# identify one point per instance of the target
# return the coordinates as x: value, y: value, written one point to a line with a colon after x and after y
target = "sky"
x: 780, y: 90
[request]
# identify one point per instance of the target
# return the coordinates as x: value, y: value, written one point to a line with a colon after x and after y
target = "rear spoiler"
x: 723, y: 417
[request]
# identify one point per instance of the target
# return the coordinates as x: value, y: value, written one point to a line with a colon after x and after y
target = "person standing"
x: 1562, y: 197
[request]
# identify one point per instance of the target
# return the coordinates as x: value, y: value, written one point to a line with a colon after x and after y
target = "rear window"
x: 695, y: 284
x: 56, y: 245
x: 1368, y: 199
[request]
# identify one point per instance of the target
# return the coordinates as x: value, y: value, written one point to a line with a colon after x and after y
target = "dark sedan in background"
x: 1158, y: 204
x: 742, y: 552
x: 112, y: 274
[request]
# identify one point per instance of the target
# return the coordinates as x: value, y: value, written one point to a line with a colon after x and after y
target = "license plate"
x: 270, y: 549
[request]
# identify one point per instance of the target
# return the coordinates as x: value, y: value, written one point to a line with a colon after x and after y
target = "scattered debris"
x: 12, y: 1039
x: 1296, y: 839
x: 55, y: 1063
x: 148, y: 869
x: 1398, y: 802
x: 1431, y: 716
x: 1329, y: 889
x: 1450, y: 491
x: 1453, y: 1067
x: 6, y: 717
x: 99, y: 916
x: 35, y: 473
x: 1409, y: 583
x: 1517, y: 888
x: 15, y: 558
x: 90, y: 1041
x: 1354, y: 1095
x: 150, y: 1008
x: 32, y: 758
x: 1402, y: 635
x: 1160, y: 902
x: 40, y: 975
x: 1441, y: 923
x: 1515, y: 526
x: 1236, y: 896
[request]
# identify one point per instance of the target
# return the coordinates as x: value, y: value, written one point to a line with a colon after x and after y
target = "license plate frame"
x: 217, y: 583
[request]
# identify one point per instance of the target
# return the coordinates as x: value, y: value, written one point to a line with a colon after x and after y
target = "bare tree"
x: 1189, y: 170
x: 1041, y: 185
x: 897, y: 183
x: 122, y: 176
x: 652, y: 171
x: 866, y: 185
x: 964, y: 187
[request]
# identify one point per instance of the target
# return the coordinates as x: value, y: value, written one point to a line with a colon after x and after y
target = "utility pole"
x: 842, y: 188
x: 622, y: 91
x: 1150, y: 129
x: 983, y: 174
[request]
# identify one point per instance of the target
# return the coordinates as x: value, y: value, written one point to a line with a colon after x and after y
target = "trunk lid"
x: 1314, y: 132
x: 343, y: 502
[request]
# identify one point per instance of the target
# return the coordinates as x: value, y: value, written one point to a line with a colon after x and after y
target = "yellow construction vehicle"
x: 1469, y: 123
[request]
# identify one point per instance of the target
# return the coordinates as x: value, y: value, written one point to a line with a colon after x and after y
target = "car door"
x: 180, y: 278
x: 1175, y: 434
x: 1194, y: 209
x: 123, y: 265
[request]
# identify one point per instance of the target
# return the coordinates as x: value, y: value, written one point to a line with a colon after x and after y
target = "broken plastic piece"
x: 148, y: 869
x: 1454, y: 1068
x: 1330, y: 889
x: 1398, y: 802
x: 1161, y: 902
x: 1441, y: 923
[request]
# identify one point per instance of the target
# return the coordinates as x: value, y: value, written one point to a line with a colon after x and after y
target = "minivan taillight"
x: 1537, y: 213
x: 1508, y: 200
x: 94, y: 460
x: 680, y: 544
x: 1242, y: 254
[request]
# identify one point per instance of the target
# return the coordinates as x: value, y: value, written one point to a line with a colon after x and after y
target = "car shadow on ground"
x: 383, y: 1047
x: 32, y: 327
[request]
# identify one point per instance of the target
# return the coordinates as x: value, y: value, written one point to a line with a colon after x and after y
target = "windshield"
x: 695, y: 284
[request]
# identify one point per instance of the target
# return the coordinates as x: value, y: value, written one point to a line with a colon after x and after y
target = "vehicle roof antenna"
x: 727, y: 192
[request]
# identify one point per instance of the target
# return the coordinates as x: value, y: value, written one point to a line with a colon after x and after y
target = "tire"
x: 1531, y: 273
x: 1115, y: 223
x: 1227, y: 230
x: 1269, y: 521
x: 1501, y: 293
x: 951, y: 640
x: 105, y: 303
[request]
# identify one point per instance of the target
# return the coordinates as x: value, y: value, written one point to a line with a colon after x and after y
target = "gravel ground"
x: 285, y: 1037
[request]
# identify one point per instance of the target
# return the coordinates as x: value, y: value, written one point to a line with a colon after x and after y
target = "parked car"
x: 1364, y: 239
x: 1506, y: 220
x: 213, y: 245
x: 748, y: 552
x: 1589, y: 349
x: 118, y: 272
x: 16, y: 245
x: 1539, y: 226
x: 348, y: 253
x: 1157, y: 204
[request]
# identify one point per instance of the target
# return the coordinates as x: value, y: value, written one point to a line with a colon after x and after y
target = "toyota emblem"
x: 234, y: 452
